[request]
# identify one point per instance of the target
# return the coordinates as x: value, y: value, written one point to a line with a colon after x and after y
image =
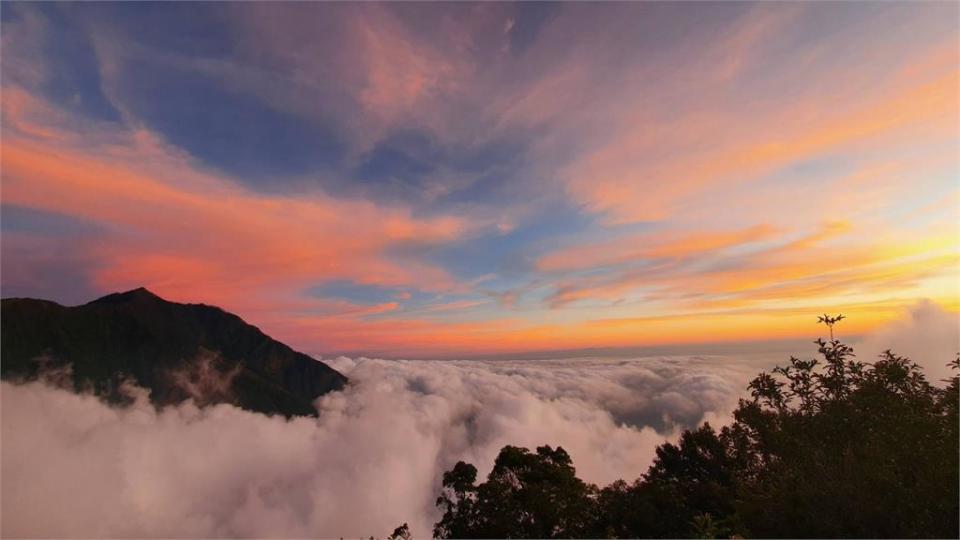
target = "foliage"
x: 400, y: 533
x: 828, y: 447
x: 850, y: 450
x: 527, y: 495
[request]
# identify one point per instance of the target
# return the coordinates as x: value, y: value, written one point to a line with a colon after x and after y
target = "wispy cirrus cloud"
x: 191, y: 235
x: 504, y: 175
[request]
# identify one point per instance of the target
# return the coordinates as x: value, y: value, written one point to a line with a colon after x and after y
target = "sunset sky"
x: 458, y: 179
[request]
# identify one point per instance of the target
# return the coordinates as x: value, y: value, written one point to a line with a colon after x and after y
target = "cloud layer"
x: 73, y: 466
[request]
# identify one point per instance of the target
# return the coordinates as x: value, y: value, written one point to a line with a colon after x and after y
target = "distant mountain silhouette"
x: 175, y: 350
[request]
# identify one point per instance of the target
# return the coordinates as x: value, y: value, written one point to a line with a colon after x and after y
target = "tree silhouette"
x: 825, y: 447
x: 830, y: 321
x: 526, y: 495
x: 400, y: 533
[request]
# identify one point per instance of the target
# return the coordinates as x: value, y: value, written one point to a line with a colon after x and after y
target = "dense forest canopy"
x: 827, y: 447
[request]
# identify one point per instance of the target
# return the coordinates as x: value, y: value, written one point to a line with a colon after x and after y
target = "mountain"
x: 175, y: 350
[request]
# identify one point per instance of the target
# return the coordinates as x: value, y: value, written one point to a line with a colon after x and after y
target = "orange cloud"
x: 811, y: 269
x: 418, y: 338
x: 650, y: 246
x: 192, y: 236
x: 628, y: 180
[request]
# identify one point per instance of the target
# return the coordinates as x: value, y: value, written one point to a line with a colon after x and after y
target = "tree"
x: 400, y: 533
x: 830, y: 321
x: 526, y: 495
x: 688, y: 490
x: 459, y: 502
x: 825, y: 447
x: 852, y: 449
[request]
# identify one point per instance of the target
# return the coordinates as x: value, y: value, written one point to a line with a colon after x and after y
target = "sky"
x: 447, y: 180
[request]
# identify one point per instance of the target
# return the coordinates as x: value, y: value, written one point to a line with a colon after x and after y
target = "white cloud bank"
x: 72, y: 466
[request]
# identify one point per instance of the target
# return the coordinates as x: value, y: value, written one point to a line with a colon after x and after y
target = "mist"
x: 74, y: 466
x: 926, y: 333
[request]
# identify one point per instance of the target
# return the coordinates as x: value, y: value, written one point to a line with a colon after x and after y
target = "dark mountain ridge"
x: 177, y: 351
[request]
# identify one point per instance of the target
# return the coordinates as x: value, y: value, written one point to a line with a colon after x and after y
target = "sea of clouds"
x: 74, y: 466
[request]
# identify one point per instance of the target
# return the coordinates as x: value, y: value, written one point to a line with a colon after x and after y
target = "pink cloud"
x: 192, y: 236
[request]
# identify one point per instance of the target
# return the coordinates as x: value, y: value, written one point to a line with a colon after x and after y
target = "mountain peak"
x: 159, y: 344
x: 140, y: 294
